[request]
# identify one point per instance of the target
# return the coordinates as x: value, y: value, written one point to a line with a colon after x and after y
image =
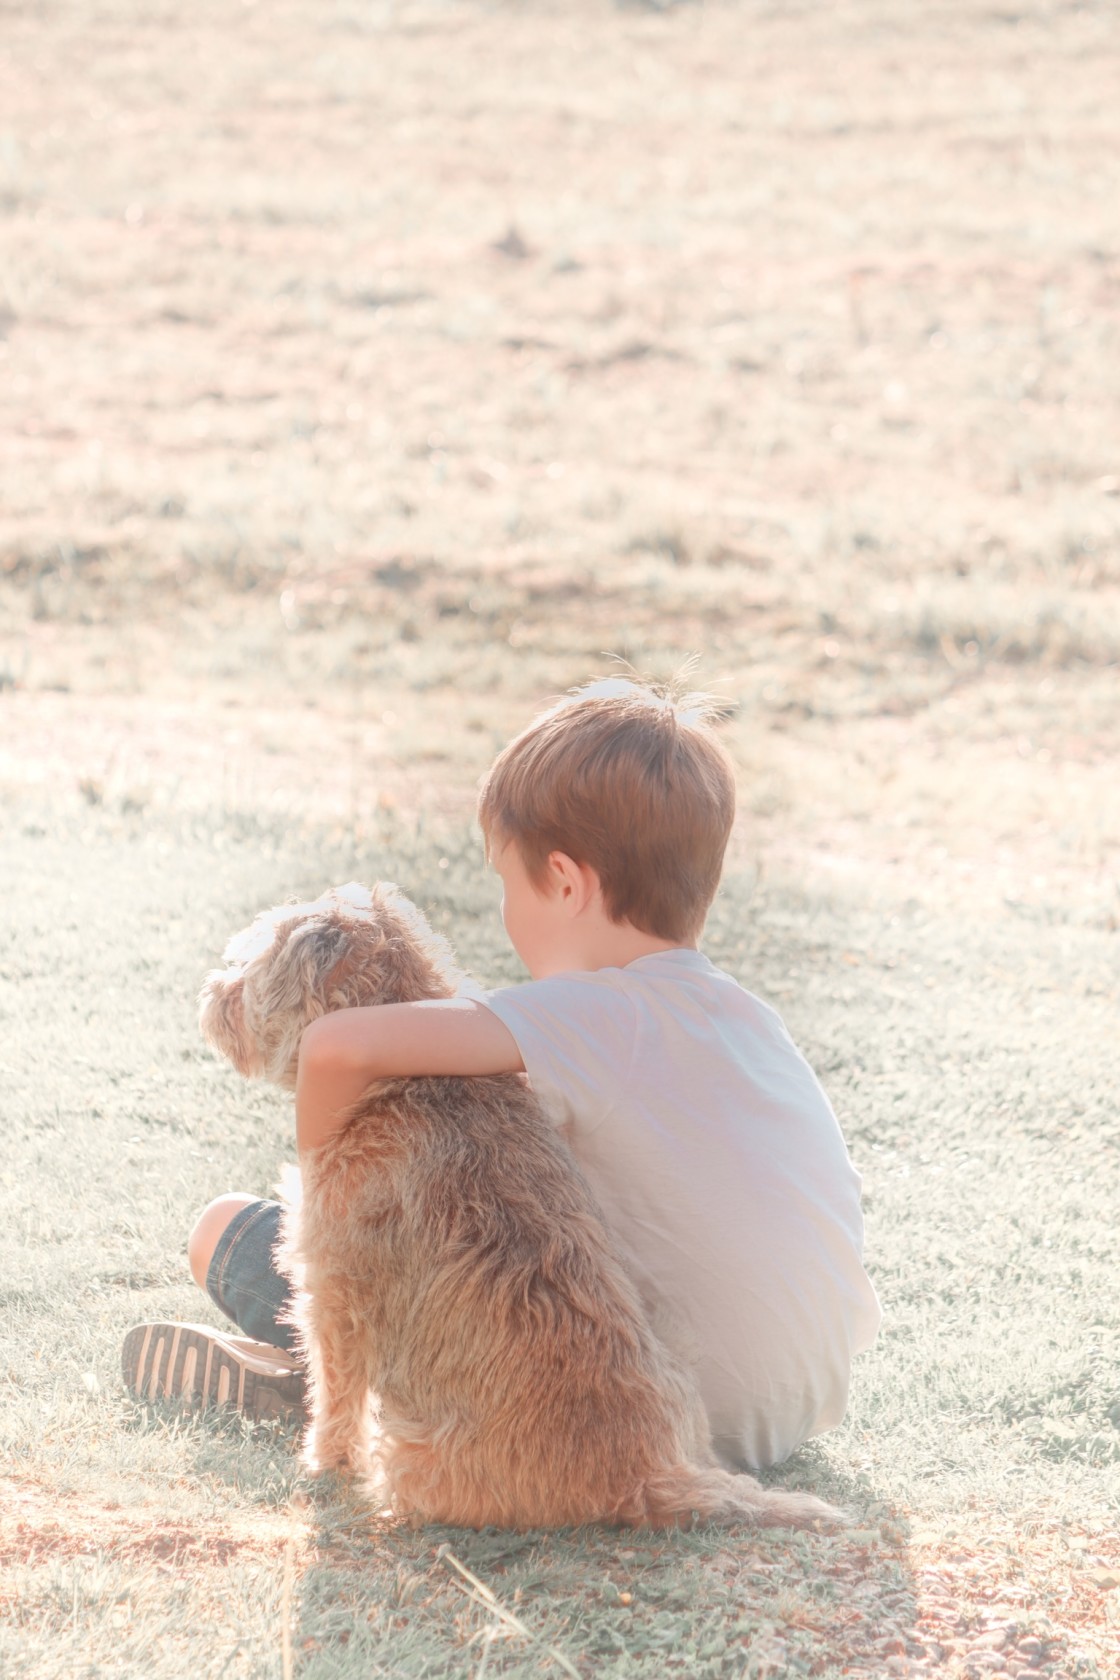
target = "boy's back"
x: 721, y: 1169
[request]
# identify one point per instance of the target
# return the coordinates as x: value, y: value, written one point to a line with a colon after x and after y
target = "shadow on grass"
x: 257, y: 1461
x: 380, y: 1597
x: 366, y: 1595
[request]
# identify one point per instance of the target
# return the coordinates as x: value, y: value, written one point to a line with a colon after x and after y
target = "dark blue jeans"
x: 243, y: 1280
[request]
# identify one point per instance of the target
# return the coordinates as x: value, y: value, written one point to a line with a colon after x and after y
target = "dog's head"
x: 349, y: 948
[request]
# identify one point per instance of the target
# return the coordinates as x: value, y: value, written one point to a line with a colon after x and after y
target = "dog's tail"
x: 687, y: 1493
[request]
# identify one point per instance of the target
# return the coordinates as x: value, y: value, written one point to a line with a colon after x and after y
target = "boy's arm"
x: 342, y: 1053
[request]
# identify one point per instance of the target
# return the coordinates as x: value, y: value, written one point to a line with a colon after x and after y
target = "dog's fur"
x: 449, y: 1258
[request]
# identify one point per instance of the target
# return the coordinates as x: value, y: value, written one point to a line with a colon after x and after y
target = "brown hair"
x: 630, y: 779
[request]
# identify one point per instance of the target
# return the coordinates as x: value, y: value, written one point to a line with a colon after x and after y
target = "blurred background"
x: 371, y: 370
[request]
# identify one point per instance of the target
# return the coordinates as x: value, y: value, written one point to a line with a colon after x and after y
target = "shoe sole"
x: 189, y: 1362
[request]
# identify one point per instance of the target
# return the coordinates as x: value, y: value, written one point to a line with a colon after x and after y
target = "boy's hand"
x: 342, y: 1053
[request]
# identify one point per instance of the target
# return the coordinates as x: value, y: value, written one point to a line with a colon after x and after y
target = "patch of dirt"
x: 1041, y: 1601
x: 38, y: 1524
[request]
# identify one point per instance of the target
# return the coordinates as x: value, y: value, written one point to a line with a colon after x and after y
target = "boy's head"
x: 631, y: 781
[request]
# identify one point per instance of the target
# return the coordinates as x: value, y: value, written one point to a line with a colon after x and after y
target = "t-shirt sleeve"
x: 576, y: 1034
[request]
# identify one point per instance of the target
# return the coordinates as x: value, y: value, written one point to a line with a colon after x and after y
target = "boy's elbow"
x: 314, y: 1044
x: 346, y: 1043
x: 325, y: 1046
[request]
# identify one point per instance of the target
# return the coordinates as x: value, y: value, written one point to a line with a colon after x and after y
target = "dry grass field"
x: 372, y: 370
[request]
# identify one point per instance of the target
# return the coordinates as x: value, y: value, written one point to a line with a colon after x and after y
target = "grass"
x: 369, y: 372
x: 981, y: 1453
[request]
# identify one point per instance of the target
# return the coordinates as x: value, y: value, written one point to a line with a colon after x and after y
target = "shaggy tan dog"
x: 449, y: 1259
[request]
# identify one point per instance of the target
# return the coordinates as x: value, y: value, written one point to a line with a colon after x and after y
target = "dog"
x: 448, y: 1258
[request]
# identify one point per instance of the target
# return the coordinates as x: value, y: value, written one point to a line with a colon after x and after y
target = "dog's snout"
x: 221, y: 1016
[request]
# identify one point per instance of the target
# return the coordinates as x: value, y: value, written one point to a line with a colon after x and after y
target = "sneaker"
x: 194, y: 1362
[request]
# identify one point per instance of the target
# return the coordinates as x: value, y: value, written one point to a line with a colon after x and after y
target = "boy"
x: 709, y: 1144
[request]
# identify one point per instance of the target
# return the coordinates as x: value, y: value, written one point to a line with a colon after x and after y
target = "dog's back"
x: 518, y: 1378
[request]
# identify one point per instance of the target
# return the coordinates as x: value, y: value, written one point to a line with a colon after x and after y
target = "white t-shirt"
x: 722, y: 1172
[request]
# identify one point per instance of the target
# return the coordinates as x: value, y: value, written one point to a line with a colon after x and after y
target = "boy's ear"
x: 575, y: 884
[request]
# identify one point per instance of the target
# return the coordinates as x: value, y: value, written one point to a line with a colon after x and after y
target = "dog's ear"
x: 221, y: 1016
x: 297, y: 982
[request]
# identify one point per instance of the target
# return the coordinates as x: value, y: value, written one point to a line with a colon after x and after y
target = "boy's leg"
x: 230, y: 1251
x: 208, y: 1229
